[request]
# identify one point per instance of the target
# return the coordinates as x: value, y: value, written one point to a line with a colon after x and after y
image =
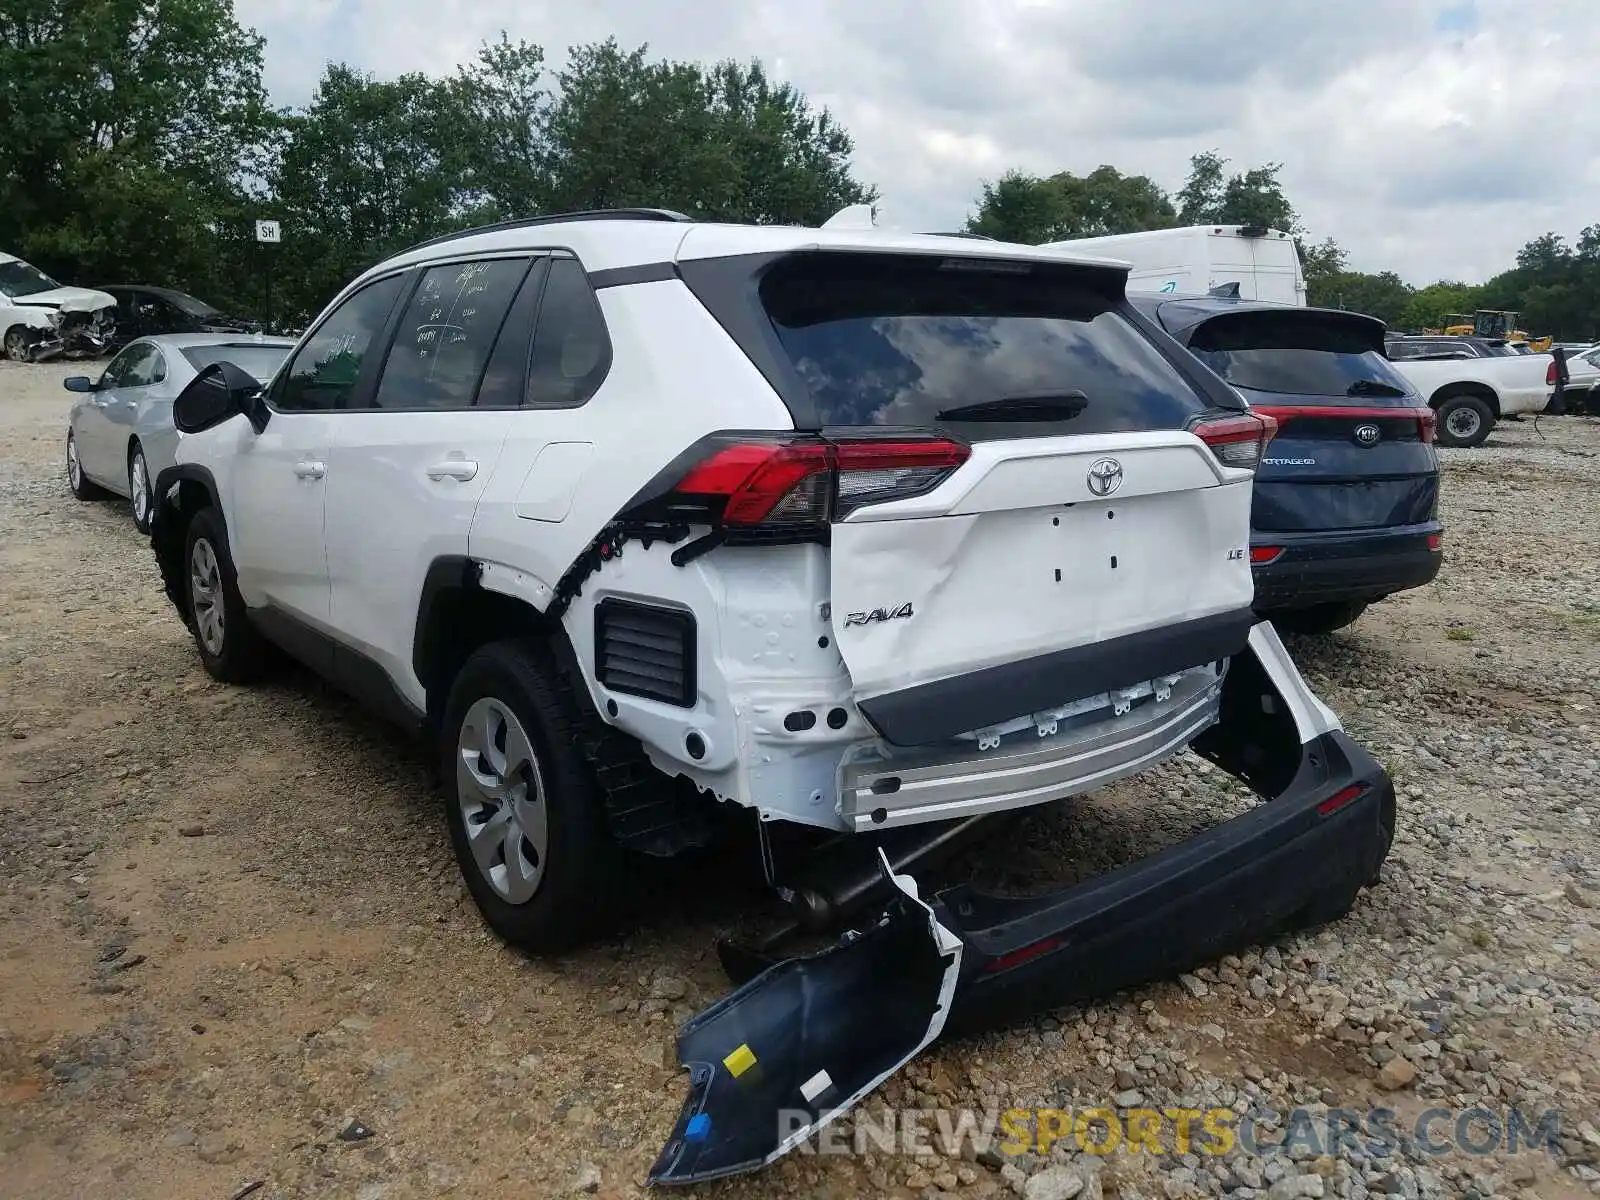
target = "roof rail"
x: 593, y: 214
x: 963, y: 233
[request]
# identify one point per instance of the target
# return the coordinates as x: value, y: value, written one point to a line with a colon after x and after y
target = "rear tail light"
x: 1238, y: 440
x: 1552, y: 374
x: 1436, y: 542
x: 1284, y: 413
x: 810, y: 480
x: 1264, y: 554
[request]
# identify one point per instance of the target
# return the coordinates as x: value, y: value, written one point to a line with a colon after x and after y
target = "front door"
x: 280, y: 476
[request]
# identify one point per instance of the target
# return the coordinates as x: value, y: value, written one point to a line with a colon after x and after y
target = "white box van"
x: 1193, y: 261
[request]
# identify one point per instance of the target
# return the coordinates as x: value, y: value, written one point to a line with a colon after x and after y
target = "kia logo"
x: 1368, y: 435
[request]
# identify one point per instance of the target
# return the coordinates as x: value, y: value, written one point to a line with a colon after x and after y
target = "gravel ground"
x: 235, y: 951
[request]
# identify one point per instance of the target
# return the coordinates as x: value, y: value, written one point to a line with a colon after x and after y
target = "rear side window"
x: 1298, y: 354
x: 445, y: 334
x: 571, y: 349
x: 913, y: 341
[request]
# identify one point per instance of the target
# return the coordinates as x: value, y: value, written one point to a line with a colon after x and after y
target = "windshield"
x: 192, y: 306
x: 883, y: 340
x: 17, y: 278
x: 261, y: 362
x: 1297, y: 355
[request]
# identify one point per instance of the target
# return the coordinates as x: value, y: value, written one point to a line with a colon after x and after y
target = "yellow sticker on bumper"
x: 740, y: 1061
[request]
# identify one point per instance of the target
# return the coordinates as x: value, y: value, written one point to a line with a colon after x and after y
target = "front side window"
x: 128, y: 368
x: 325, y: 370
x: 445, y: 335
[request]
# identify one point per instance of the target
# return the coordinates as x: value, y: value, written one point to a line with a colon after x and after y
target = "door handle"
x: 310, y: 470
x: 460, y: 469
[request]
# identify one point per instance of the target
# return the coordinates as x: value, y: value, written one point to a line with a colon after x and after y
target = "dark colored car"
x: 1345, y: 510
x: 143, y: 311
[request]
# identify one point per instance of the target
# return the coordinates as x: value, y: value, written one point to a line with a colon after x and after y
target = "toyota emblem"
x: 1105, y: 476
x: 1368, y: 435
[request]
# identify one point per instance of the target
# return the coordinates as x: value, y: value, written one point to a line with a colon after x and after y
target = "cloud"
x: 1427, y: 137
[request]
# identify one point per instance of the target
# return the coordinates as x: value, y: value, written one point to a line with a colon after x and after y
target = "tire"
x: 140, y: 498
x: 539, y: 862
x: 15, y: 346
x: 1319, y: 618
x: 81, y: 487
x: 231, y: 648
x: 1464, y: 421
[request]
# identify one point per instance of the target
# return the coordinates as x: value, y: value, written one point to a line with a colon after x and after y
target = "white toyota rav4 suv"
x: 648, y: 520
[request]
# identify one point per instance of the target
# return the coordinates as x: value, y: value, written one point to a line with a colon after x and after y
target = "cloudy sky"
x: 1430, y: 137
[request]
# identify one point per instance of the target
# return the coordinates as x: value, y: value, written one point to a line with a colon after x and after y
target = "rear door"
x: 1354, y: 448
x: 1081, y: 509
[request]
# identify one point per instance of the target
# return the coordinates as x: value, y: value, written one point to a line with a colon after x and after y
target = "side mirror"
x: 78, y: 383
x: 219, y: 392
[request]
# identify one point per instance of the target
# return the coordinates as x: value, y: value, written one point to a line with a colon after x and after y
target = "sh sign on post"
x: 267, y: 232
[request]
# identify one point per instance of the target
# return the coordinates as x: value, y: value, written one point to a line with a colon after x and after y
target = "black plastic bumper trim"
x: 1298, y: 580
x: 932, y: 712
x: 1282, y: 865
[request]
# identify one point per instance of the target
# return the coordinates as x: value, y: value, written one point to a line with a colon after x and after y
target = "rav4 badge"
x: 878, y: 614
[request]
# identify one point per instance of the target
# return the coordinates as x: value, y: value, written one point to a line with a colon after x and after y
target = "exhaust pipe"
x: 847, y: 875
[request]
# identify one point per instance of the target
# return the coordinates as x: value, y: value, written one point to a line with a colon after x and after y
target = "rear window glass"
x: 1298, y: 356
x: 891, y: 341
x: 261, y: 362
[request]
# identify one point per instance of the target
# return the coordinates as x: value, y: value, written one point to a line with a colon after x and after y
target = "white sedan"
x: 120, y: 434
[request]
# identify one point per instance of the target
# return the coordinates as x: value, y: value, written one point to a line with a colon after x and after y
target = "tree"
x: 1022, y: 208
x: 724, y: 143
x: 367, y: 168
x: 1211, y: 196
x: 1320, y: 263
x: 1384, y: 295
x: 1429, y: 306
x: 1201, y: 198
x: 127, y: 128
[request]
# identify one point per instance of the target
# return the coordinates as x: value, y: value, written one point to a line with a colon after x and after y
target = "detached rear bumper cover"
x: 807, y: 1038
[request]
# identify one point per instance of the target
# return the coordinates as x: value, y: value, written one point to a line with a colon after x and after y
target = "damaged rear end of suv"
x: 1001, y: 559
x: 865, y: 539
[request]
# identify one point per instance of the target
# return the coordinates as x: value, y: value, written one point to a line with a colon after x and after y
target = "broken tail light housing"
x: 1238, y: 439
x: 804, y: 480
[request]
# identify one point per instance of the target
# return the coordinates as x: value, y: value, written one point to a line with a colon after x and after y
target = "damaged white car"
x: 656, y: 527
x: 40, y: 318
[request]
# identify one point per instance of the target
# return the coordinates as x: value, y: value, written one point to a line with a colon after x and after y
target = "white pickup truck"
x: 1469, y: 394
